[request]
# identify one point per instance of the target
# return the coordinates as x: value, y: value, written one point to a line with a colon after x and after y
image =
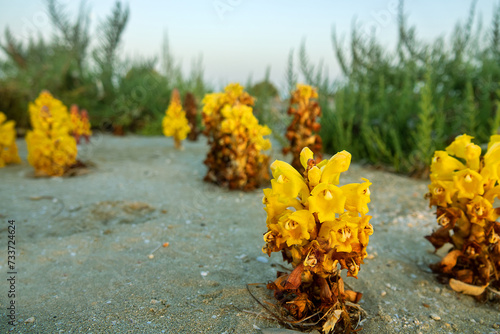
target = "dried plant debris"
x: 235, y: 159
x: 303, y: 131
x: 463, y: 187
x: 320, y: 228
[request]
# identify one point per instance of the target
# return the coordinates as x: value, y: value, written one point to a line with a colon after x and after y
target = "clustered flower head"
x: 192, y: 116
x: 8, y: 147
x: 302, y: 132
x: 175, y: 123
x: 51, y: 148
x: 320, y: 228
x: 236, y: 140
x: 463, y: 187
x: 80, y: 124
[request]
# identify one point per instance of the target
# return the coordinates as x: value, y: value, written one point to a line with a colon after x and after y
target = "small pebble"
x: 204, y: 273
x: 262, y: 259
x: 383, y: 293
x: 151, y: 256
x: 29, y: 320
x: 435, y: 317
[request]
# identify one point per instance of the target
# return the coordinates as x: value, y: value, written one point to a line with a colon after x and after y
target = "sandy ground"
x: 82, y: 248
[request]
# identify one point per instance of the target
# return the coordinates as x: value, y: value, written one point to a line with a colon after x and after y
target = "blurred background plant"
x: 396, y: 108
x: 120, y: 94
x: 393, y: 108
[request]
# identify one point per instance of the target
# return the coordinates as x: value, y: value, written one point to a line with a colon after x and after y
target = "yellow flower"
x: 493, y: 139
x: 306, y: 92
x: 441, y: 192
x: 276, y: 205
x: 305, y: 155
x: 491, y: 169
x: 443, y: 166
x: 458, y: 146
x: 287, y: 181
x: 296, y: 226
x: 492, y: 193
x: 211, y: 103
x: 472, y: 154
x: 469, y: 183
x: 365, y: 230
x: 341, y: 233
x: 357, y: 196
x: 327, y: 200
x: 337, y: 164
x: 480, y: 209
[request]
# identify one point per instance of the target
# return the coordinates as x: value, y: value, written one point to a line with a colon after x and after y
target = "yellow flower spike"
x: 51, y: 149
x: 458, y: 146
x: 441, y: 192
x: 305, y: 155
x: 311, y: 238
x: 469, y: 183
x: 443, y: 166
x: 287, y: 181
x: 236, y: 140
x: 357, y: 196
x: 327, y: 200
x: 465, y: 210
x: 8, y: 146
x: 175, y: 123
x: 304, y: 127
x: 337, y: 164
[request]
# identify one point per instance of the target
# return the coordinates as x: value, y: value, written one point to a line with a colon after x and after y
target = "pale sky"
x: 238, y: 38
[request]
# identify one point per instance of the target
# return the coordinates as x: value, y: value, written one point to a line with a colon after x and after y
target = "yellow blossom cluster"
x: 80, y: 124
x: 463, y: 187
x: 51, y: 148
x: 319, y: 226
x: 302, y: 132
x: 175, y: 122
x: 236, y: 140
x: 8, y: 147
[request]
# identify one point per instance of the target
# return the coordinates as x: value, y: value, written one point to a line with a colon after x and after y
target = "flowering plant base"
x: 279, y: 312
x: 321, y: 229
